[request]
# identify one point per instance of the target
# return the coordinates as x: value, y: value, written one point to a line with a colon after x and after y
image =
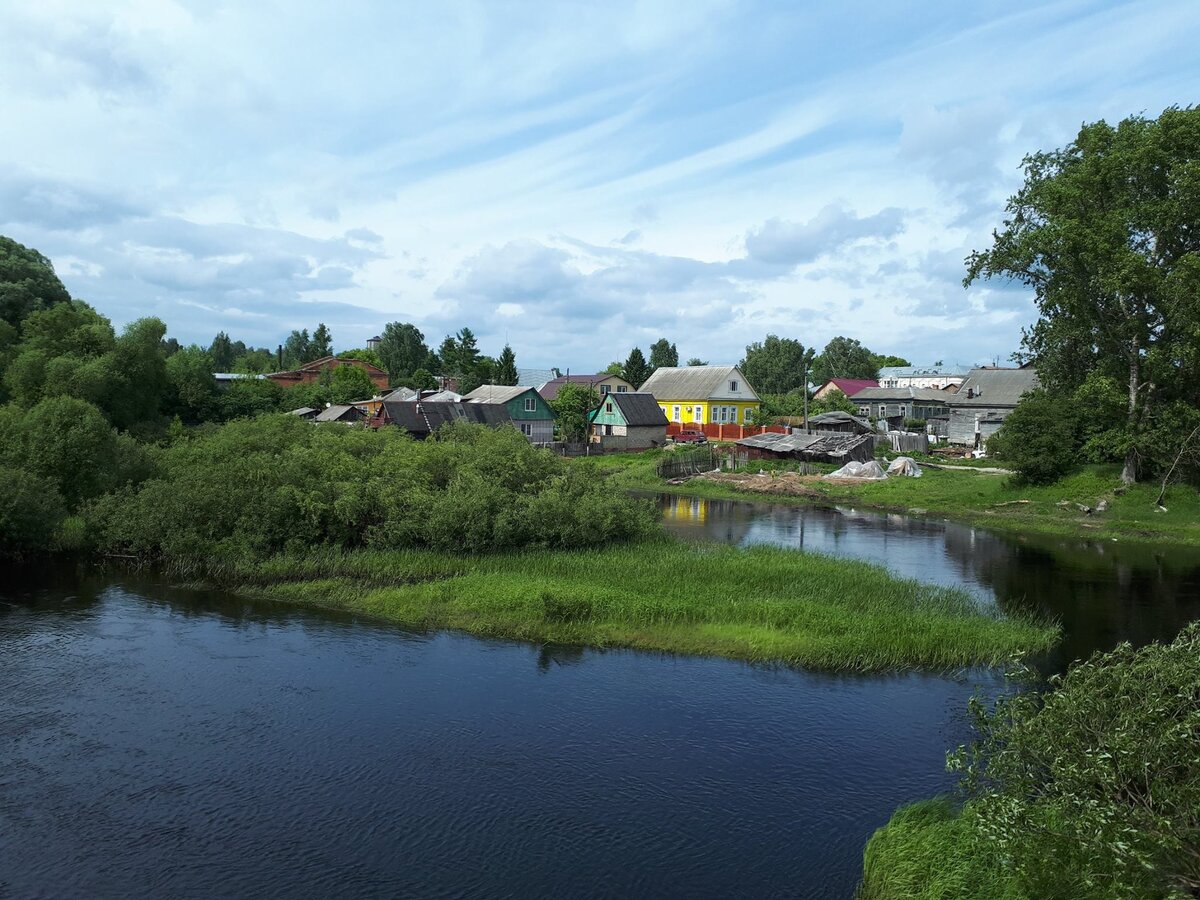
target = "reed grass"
x: 759, y: 603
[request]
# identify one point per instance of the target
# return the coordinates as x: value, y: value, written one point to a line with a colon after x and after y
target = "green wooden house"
x: 631, y: 421
x: 526, y: 407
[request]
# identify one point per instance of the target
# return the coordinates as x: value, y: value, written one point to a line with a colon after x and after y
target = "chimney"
x: 279, y: 357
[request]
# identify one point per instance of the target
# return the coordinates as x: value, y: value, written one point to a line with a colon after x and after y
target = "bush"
x: 275, y: 484
x: 31, y: 511
x: 1089, y: 790
x: 1038, y: 439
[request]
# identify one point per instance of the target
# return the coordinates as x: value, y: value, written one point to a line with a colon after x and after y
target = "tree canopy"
x: 776, y: 365
x: 506, y: 367
x: 1106, y: 233
x: 635, y: 370
x: 663, y: 355
x: 27, y: 282
x: 844, y: 357
x: 403, y: 350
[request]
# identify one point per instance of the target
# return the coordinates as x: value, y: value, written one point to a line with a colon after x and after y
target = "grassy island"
x: 760, y: 603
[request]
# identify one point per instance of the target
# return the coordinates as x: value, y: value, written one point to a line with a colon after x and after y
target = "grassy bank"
x: 992, y: 501
x: 755, y: 604
x: 927, y: 851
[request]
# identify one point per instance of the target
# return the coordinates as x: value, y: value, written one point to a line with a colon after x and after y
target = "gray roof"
x: 838, y: 417
x: 402, y: 393
x: 807, y: 443
x: 235, y: 376
x: 694, y: 382
x: 439, y: 397
x: 921, y: 371
x: 338, y: 413
x: 534, y: 377
x: 901, y: 393
x: 496, y: 393
x: 994, y: 387
x: 638, y: 409
x: 302, y: 411
x: 424, y: 417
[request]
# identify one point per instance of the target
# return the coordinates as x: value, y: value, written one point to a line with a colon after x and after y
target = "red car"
x: 690, y: 436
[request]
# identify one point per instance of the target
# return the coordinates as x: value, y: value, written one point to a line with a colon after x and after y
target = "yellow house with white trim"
x: 703, y: 395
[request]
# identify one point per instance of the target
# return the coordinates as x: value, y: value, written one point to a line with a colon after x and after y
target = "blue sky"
x: 574, y: 178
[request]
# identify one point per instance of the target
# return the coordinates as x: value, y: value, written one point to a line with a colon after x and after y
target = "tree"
x: 844, y: 357
x: 776, y: 365
x: 663, y: 355
x: 571, y: 407
x: 27, y: 282
x: 350, y: 383
x: 322, y: 342
x: 423, y: 380
x: 884, y: 360
x: 193, y: 391
x: 402, y: 349
x: 1092, y: 789
x: 297, y: 349
x: 506, y: 367
x: 697, y: 361
x: 613, y: 368
x: 1105, y: 232
x: 221, y: 353
x: 635, y: 370
x: 1037, y: 439
x: 364, y: 354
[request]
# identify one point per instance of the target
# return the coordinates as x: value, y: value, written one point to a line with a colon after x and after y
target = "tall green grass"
x: 756, y: 603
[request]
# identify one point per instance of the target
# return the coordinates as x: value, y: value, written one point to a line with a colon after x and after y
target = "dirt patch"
x: 785, y: 483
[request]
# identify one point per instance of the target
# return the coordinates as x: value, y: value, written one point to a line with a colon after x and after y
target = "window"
x: 675, y: 413
x: 608, y: 407
x: 749, y: 414
x: 530, y: 404
x: 733, y: 386
x: 864, y: 410
x: 621, y: 389
x: 699, y: 413
x: 527, y: 429
x: 606, y: 388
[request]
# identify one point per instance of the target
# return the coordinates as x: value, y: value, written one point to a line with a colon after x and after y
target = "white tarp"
x: 867, y: 470
x: 904, y: 465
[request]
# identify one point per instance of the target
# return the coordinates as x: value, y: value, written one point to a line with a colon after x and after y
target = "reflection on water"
x: 1103, y: 592
x: 160, y: 742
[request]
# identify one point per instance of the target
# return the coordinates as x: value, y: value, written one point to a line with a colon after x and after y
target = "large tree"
x: 571, y: 407
x: 221, y: 353
x: 506, y: 366
x: 663, y: 355
x: 1106, y: 232
x: 322, y: 342
x: 776, y: 365
x: 844, y: 357
x: 635, y: 370
x: 403, y: 350
x: 27, y: 282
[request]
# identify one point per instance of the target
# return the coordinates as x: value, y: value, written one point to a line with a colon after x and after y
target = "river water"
x: 166, y: 742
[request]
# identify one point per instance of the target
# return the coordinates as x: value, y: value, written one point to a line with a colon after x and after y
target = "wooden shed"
x: 628, y: 421
x: 831, y: 448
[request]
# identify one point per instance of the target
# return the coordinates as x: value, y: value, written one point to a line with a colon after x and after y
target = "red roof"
x: 851, y: 386
x: 550, y: 389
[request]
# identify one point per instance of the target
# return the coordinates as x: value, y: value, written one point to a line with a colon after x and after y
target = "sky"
x: 572, y: 178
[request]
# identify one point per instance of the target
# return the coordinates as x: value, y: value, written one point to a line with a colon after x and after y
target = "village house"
x: 422, y: 418
x: 848, y: 386
x: 527, y: 409
x: 897, y: 404
x: 938, y: 377
x: 601, y: 384
x: 837, y: 420
x: 309, y: 373
x: 983, y: 402
x: 703, y: 395
x: 342, y: 413
x: 628, y: 421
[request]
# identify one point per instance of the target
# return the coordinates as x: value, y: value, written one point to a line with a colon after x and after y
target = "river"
x: 168, y: 742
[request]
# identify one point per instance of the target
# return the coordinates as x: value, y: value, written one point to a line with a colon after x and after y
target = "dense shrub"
x: 1038, y: 439
x: 275, y: 483
x: 31, y: 511
x: 1089, y: 790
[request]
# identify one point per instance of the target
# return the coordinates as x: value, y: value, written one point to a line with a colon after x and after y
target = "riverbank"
x: 962, y: 494
x: 759, y: 604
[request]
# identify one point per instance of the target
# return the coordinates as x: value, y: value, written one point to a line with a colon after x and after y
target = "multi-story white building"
x: 936, y: 377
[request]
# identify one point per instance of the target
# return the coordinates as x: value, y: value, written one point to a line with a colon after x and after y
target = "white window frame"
x: 733, y: 387
x: 675, y: 413
x: 527, y: 429
x: 606, y: 388
x: 530, y: 405
x: 749, y: 414
x: 699, y: 415
x: 621, y: 389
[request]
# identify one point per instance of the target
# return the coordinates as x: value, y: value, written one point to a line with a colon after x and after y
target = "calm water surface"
x: 167, y: 743
x: 191, y: 744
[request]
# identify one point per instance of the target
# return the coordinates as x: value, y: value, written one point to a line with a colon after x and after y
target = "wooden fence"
x: 687, y: 462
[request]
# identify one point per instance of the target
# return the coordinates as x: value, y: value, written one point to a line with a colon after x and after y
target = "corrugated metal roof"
x: 638, y: 408
x: 994, y: 387
x: 838, y: 417
x: 495, y: 393
x: 901, y: 393
x: 921, y: 371
x: 550, y: 389
x: 427, y: 416
x: 811, y: 444
x: 337, y: 413
x: 695, y: 383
